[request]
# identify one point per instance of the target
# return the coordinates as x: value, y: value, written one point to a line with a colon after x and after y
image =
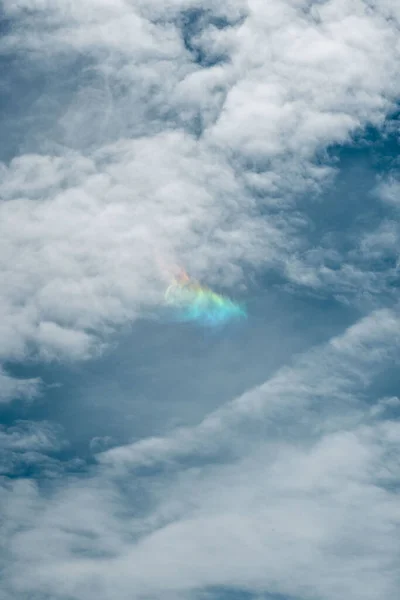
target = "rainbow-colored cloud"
x: 194, y: 302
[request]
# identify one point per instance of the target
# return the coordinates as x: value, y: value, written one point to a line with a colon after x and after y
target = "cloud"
x: 30, y: 436
x: 389, y: 191
x: 11, y: 387
x: 82, y: 226
x: 314, y: 489
x: 385, y: 404
x: 332, y: 377
x: 200, y: 136
x: 87, y: 255
x: 29, y: 447
x: 271, y: 118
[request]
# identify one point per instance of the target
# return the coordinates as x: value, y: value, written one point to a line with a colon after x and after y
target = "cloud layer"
x: 297, y: 476
x: 156, y: 150
x: 142, y: 134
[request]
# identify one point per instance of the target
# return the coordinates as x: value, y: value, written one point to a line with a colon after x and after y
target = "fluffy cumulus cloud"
x: 184, y: 133
x: 140, y: 135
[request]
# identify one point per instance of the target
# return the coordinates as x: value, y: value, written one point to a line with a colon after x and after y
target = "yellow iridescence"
x: 194, y: 302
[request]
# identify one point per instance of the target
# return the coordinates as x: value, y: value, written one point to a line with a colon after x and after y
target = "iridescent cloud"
x: 195, y: 302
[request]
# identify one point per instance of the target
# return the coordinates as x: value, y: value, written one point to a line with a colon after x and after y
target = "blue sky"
x: 254, y: 144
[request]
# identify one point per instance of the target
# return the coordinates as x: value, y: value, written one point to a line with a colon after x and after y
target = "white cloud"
x: 153, y: 158
x: 330, y: 379
x: 389, y: 191
x: 81, y: 229
x: 11, y: 387
x: 385, y: 404
x: 86, y: 258
x: 314, y: 490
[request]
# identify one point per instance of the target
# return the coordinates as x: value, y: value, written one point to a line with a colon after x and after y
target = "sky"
x: 253, y: 145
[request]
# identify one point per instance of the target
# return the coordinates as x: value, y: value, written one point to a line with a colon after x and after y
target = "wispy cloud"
x: 11, y: 387
x: 309, y: 481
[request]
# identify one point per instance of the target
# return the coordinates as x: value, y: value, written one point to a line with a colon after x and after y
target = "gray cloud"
x: 29, y: 447
x: 11, y: 387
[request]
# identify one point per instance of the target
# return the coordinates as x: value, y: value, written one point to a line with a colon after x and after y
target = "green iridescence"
x: 196, y: 303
